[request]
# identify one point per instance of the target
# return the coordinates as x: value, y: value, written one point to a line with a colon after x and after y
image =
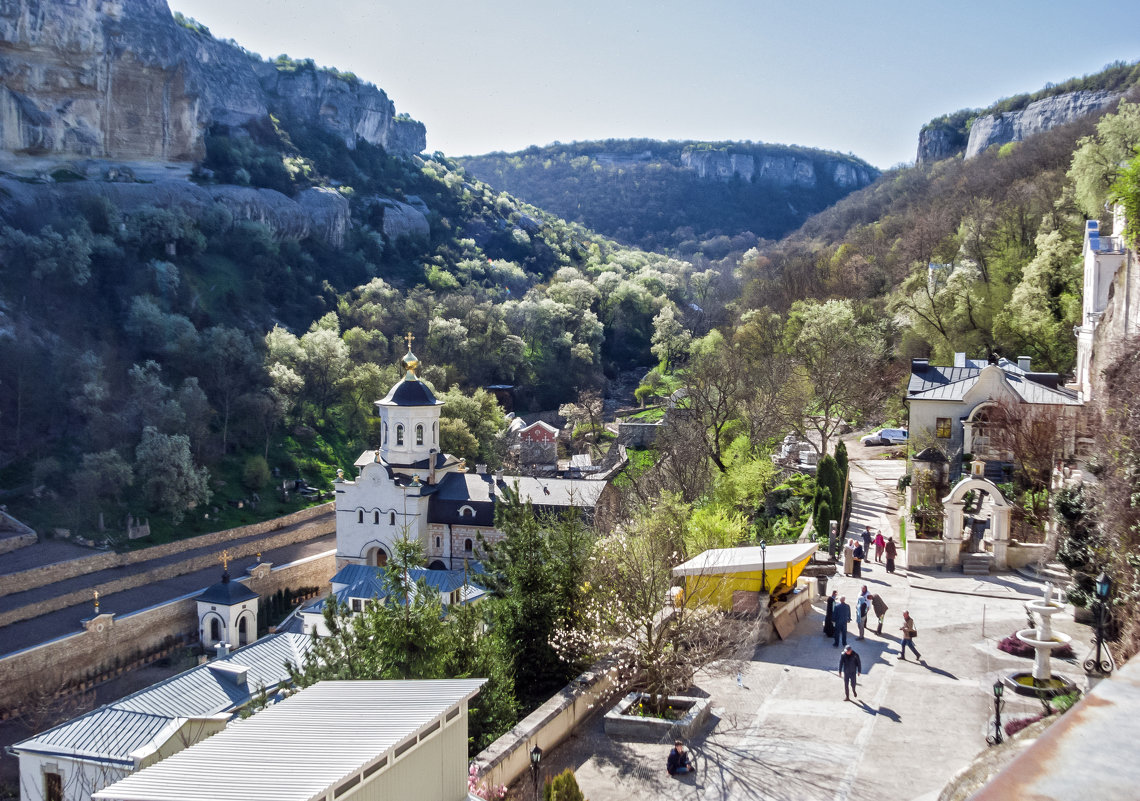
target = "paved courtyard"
x: 788, y: 733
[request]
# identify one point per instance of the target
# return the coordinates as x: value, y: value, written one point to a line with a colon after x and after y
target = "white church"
x: 409, y: 486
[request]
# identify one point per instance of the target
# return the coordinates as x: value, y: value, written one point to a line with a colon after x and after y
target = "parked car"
x: 886, y: 436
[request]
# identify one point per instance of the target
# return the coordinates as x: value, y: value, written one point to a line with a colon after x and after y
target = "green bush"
x: 563, y: 787
x: 256, y: 473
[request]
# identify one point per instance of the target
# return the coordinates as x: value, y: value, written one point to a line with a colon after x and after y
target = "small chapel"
x: 409, y: 487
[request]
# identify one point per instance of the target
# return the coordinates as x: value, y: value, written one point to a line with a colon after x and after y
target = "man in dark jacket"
x: 849, y: 668
x: 678, y: 762
x: 841, y: 617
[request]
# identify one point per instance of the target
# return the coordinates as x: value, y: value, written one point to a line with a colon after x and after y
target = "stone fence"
x: 14, y: 534
x: 508, y: 758
x: 75, y: 662
x: 638, y: 435
x: 301, y: 533
x: 61, y: 571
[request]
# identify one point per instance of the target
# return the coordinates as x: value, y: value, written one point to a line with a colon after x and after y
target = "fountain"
x: 1043, y: 640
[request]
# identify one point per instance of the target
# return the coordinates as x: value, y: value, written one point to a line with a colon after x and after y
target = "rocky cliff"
x: 778, y: 170
x: 937, y: 143
x: 120, y: 79
x: 1038, y: 116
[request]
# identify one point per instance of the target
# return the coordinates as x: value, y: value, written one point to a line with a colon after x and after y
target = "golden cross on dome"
x: 409, y: 337
x: 96, y: 601
x: 225, y: 559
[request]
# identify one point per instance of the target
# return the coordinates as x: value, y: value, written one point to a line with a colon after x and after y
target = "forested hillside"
x: 679, y: 197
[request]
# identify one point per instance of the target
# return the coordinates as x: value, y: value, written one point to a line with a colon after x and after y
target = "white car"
x: 886, y: 436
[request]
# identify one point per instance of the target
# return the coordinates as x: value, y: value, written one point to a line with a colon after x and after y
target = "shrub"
x: 563, y: 787
x: 256, y: 473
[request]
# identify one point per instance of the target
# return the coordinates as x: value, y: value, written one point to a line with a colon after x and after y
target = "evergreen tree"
x: 563, y: 787
x: 844, y: 469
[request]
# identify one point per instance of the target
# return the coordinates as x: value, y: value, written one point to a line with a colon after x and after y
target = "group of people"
x: 855, y: 552
x: 835, y: 622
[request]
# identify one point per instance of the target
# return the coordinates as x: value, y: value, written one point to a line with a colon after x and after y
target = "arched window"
x: 243, y: 630
x: 391, y: 518
x: 467, y: 545
x: 435, y: 433
x: 359, y: 515
x: 375, y: 518
x: 437, y: 542
x: 419, y: 434
x: 385, y: 438
x: 215, y: 630
x: 399, y: 435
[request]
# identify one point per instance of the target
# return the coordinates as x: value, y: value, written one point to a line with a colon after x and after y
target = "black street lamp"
x: 1101, y: 664
x: 996, y: 739
x: 535, y: 759
x: 763, y: 566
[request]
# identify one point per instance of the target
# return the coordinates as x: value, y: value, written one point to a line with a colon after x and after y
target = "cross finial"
x: 409, y: 338
x: 225, y: 559
x: 96, y: 601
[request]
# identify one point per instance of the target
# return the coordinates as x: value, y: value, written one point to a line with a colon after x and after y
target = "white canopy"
x: 743, y: 560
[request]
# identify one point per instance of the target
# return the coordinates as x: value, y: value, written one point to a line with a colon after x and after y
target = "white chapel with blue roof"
x: 409, y: 487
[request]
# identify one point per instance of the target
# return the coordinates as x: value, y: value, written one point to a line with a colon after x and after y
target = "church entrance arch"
x: 376, y: 557
x: 244, y: 626
x: 976, y: 515
x: 213, y: 632
x: 437, y: 565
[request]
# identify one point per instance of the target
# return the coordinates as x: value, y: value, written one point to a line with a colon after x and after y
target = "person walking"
x: 880, y: 607
x: 892, y: 551
x: 849, y: 668
x: 841, y: 616
x: 909, y: 632
x: 867, y: 540
x: 862, y: 610
x: 829, y: 618
x: 880, y: 543
x: 857, y: 561
x: 847, y: 556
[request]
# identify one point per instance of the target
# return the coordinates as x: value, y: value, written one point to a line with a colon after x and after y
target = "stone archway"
x: 954, y: 518
x: 376, y: 556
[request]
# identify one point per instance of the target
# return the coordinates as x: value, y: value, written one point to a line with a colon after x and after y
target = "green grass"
x: 647, y: 415
x: 902, y: 533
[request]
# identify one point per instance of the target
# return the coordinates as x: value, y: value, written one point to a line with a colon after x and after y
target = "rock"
x: 1038, y: 116
x: 779, y: 169
x: 937, y: 143
x: 120, y: 79
x: 399, y: 219
x: 328, y: 212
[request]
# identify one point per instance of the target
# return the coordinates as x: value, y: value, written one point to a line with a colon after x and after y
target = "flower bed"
x: 625, y: 721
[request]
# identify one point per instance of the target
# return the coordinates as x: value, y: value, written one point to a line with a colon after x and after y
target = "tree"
x: 670, y: 339
x: 230, y: 367
x: 842, y: 360
x: 170, y: 481
x: 101, y: 477
x: 585, y: 414
x: 1098, y: 160
x: 714, y: 385
x: 483, y: 417
x: 563, y: 787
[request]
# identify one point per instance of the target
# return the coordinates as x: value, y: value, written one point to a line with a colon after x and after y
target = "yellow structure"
x: 718, y: 575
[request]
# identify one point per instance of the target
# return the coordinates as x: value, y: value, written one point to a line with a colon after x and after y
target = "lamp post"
x: 997, y: 738
x: 1102, y: 663
x: 535, y: 759
x: 763, y: 566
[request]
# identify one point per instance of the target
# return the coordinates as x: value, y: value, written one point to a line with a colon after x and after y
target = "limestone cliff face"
x: 779, y: 170
x: 1038, y: 116
x: 935, y: 144
x: 348, y: 109
x: 119, y: 79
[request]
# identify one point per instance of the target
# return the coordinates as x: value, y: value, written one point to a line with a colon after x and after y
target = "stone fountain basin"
x: 1029, y: 637
x: 1040, y: 607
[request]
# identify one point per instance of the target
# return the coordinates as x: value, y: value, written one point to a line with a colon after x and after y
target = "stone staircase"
x: 977, y: 564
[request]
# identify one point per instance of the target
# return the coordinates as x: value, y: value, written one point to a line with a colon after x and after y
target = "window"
x: 385, y: 439
x: 53, y: 787
x: 359, y: 515
x: 375, y: 518
x: 420, y: 435
x: 399, y: 435
x: 942, y: 428
x: 467, y: 544
x: 437, y: 542
x: 356, y: 605
x: 391, y: 518
x: 435, y: 433
x: 215, y: 630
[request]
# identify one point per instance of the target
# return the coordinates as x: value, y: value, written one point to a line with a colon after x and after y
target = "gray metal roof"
x: 481, y: 491
x: 300, y: 748
x: 112, y: 732
x: 931, y: 382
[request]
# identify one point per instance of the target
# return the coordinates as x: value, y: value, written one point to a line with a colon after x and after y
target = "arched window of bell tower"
x: 420, y: 434
x: 399, y: 436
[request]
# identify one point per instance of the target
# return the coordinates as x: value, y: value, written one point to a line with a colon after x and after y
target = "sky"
x: 853, y: 77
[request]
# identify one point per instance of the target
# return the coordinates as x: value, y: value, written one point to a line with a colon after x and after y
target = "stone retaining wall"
x: 72, y: 663
x: 304, y: 533
x: 60, y: 571
x: 638, y: 435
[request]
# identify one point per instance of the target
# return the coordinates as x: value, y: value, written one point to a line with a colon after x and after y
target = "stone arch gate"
x: 953, y: 506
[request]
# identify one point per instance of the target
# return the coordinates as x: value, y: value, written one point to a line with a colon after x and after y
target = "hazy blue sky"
x: 849, y: 76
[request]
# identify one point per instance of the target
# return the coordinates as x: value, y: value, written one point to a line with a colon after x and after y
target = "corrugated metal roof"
x: 112, y: 732
x: 930, y: 382
x: 300, y: 748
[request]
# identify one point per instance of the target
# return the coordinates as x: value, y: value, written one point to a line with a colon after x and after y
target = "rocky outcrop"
x: 777, y: 169
x: 120, y: 79
x: 1038, y: 116
x: 937, y: 143
x: 350, y: 109
x: 321, y: 213
x: 399, y: 218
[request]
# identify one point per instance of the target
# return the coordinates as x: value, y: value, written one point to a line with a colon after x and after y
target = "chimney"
x: 1023, y: 363
x: 223, y: 649
x: 959, y: 359
x: 498, y: 476
x: 480, y: 469
x: 919, y: 365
